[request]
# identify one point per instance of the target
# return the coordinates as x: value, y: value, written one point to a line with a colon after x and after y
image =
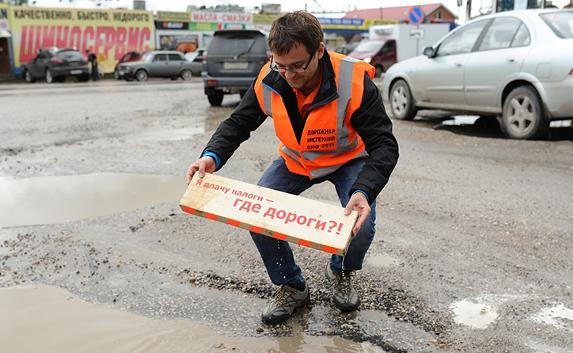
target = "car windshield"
x: 560, y: 22
x: 369, y: 46
x: 70, y: 55
x: 237, y: 43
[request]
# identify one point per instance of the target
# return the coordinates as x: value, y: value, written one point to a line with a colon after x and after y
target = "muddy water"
x: 51, y: 320
x: 47, y: 200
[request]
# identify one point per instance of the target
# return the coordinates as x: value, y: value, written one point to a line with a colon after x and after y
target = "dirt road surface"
x: 472, y: 253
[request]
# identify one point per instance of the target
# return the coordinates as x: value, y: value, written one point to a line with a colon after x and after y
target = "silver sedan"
x: 517, y: 66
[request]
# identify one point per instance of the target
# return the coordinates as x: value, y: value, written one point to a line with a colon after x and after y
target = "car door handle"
x: 512, y: 59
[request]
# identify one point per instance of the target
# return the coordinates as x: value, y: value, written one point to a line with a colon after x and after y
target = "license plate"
x: 76, y: 72
x: 235, y: 66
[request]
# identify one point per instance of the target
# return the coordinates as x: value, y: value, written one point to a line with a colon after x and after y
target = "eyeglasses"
x: 295, y: 69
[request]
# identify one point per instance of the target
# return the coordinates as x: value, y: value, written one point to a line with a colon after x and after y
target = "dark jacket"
x: 370, y: 121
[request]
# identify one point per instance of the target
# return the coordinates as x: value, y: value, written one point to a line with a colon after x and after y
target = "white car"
x: 517, y: 66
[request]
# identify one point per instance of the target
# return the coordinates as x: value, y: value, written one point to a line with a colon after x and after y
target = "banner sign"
x: 269, y: 212
x: 173, y: 16
x: 171, y: 25
x: 222, y: 17
x: 108, y: 33
x: 341, y: 21
x: 4, y: 25
x: 353, y: 24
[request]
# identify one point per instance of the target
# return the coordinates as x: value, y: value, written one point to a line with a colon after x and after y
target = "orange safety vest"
x: 328, y: 139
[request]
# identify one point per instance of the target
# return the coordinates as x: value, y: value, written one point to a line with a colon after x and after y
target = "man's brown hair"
x: 295, y: 27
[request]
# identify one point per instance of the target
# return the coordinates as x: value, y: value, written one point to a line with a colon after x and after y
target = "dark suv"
x: 55, y: 65
x: 233, y: 61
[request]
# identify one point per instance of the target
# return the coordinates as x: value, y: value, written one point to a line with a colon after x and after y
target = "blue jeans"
x: 277, y: 254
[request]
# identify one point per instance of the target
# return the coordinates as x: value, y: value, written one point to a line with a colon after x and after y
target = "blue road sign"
x: 416, y: 15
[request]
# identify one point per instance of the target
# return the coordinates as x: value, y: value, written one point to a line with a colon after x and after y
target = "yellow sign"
x: 264, y: 19
x: 4, y: 27
x: 171, y: 16
x: 107, y: 33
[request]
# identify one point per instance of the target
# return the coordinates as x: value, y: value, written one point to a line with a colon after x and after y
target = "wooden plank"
x: 269, y: 212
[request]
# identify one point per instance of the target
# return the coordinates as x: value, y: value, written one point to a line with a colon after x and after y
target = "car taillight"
x: 56, y: 60
x: 211, y: 83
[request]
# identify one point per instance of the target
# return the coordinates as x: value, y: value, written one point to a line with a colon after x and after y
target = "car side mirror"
x: 429, y: 52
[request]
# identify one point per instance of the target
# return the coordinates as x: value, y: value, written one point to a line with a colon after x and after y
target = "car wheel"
x: 523, y: 116
x: 186, y: 75
x: 28, y: 77
x: 141, y: 75
x: 49, y: 77
x: 401, y: 101
x: 215, y: 98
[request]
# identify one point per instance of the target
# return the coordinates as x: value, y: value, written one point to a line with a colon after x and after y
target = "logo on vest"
x: 321, y: 139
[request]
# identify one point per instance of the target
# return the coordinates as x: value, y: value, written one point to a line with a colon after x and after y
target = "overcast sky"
x: 290, y: 5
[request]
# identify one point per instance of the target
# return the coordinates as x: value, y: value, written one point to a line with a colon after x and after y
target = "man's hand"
x: 359, y: 203
x: 202, y: 165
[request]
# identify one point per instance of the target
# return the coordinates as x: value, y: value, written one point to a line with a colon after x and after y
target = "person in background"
x: 92, y: 59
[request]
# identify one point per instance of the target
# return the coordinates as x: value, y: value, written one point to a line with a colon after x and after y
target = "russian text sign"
x: 269, y: 212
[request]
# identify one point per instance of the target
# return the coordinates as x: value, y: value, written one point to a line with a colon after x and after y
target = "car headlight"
x: 367, y: 60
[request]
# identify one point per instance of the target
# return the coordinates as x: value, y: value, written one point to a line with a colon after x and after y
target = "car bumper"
x: 70, y: 71
x: 227, y: 82
x: 123, y: 73
x: 558, y: 98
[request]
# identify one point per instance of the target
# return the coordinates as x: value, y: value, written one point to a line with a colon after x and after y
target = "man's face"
x: 296, y: 59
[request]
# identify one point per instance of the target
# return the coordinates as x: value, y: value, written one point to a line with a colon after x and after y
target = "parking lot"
x: 473, y: 247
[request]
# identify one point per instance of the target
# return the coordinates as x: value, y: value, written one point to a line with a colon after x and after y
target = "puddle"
x: 561, y: 123
x: 167, y: 134
x: 475, y: 315
x: 461, y: 120
x: 382, y: 260
x: 48, y: 200
x: 558, y: 316
x: 51, y: 320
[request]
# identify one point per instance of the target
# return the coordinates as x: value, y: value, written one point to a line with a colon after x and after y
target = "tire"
x: 215, y: 98
x: 49, y: 77
x: 141, y: 75
x: 402, y: 102
x: 28, y: 77
x: 523, y: 116
x: 186, y: 75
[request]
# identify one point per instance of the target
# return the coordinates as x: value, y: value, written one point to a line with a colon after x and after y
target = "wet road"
x: 472, y: 252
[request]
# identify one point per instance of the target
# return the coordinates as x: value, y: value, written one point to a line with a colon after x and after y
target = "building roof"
x: 399, y: 13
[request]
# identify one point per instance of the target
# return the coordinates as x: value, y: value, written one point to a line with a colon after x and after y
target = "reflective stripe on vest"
x: 344, y: 93
x: 267, y: 91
